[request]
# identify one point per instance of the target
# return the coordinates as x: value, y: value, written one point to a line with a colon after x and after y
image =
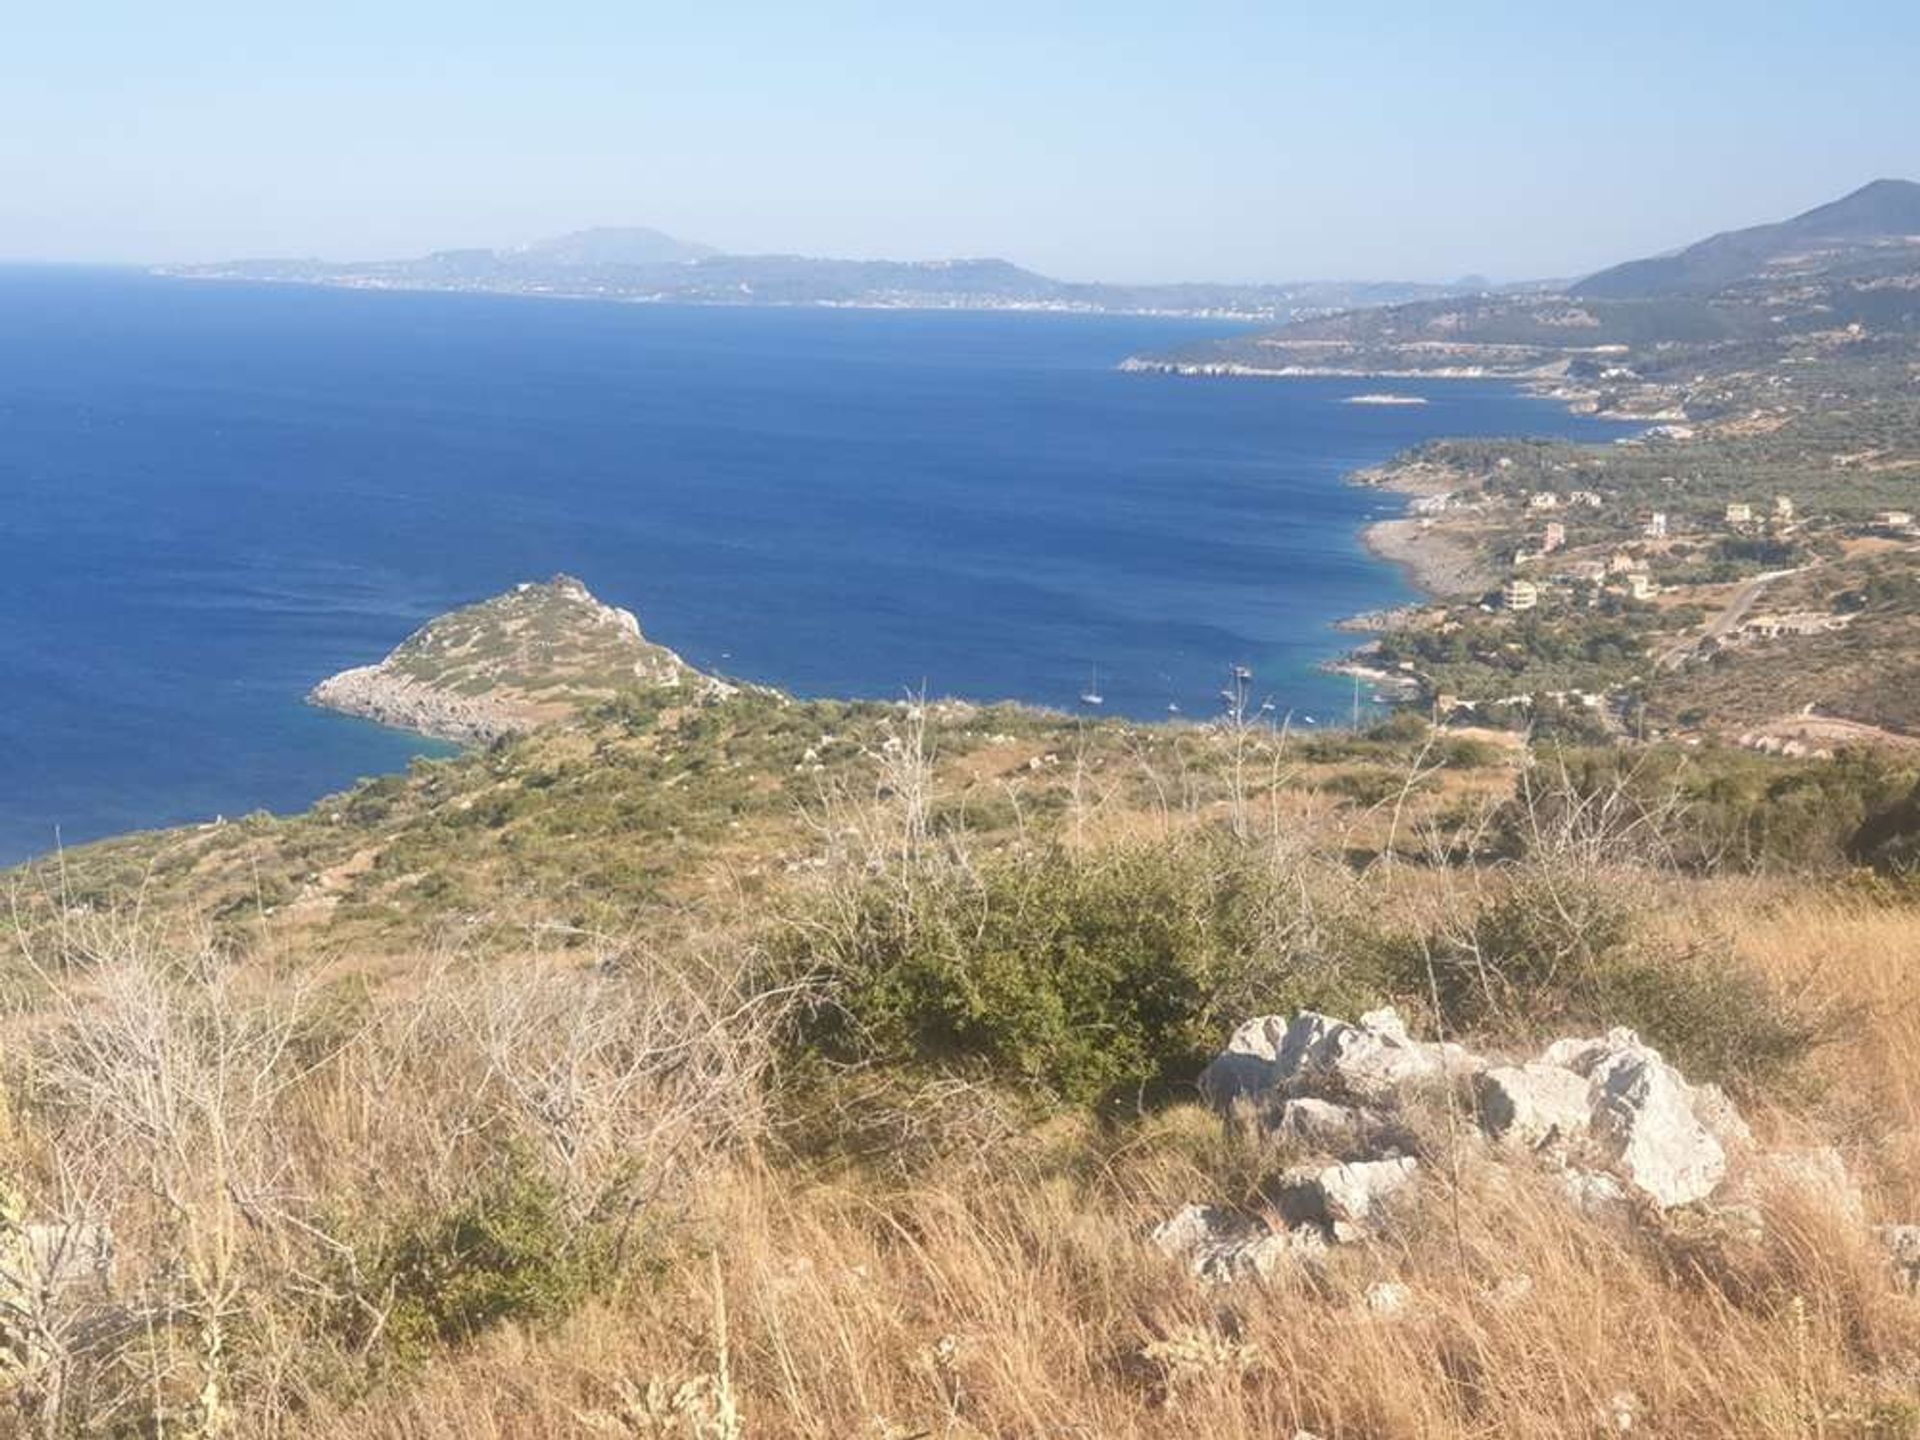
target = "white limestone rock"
x: 1535, y: 1105
x: 1317, y: 1055
x: 1351, y: 1131
x: 1249, y: 1067
x: 1643, y: 1118
x: 1722, y: 1119
x: 1597, y: 1195
x: 1388, y: 1297
x: 1347, y: 1197
x: 1372, y: 1061
x: 1222, y: 1246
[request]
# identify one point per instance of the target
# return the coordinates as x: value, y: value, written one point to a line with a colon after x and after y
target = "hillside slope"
x: 797, y: 1068
x: 1883, y: 216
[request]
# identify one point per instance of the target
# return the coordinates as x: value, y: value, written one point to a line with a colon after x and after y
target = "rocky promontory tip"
x: 536, y: 654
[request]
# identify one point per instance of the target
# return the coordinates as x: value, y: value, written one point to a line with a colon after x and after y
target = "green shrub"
x: 1465, y: 752
x: 1375, y: 785
x: 1074, y: 975
x: 508, y: 1253
x: 1720, y: 808
x: 1561, y: 951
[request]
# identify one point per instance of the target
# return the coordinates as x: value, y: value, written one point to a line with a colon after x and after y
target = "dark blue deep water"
x: 211, y: 496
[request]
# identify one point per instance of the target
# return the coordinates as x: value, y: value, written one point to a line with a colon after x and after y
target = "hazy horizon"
x: 1237, y: 145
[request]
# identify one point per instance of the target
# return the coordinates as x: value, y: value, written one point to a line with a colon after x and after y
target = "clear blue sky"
x: 1201, y: 140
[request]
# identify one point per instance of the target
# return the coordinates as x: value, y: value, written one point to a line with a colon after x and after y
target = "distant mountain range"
x: 638, y: 264
x: 1877, y: 225
x: 1872, y: 233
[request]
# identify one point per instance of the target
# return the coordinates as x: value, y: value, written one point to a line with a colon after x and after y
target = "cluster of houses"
x: 1627, y: 573
x: 1742, y: 516
x: 1575, y: 499
x: 1447, y: 706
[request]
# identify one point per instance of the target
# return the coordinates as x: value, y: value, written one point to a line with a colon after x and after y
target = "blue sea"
x: 213, y: 495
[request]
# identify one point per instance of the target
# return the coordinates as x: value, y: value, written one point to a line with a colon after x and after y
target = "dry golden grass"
x: 258, y: 1126
x: 1856, y: 957
x: 1027, y: 1305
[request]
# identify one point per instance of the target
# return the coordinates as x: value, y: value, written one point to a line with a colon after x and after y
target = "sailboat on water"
x: 1091, y: 695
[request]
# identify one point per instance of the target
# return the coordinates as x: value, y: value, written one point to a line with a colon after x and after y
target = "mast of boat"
x: 1091, y: 695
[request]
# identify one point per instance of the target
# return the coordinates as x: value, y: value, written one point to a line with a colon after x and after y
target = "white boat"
x: 1091, y: 695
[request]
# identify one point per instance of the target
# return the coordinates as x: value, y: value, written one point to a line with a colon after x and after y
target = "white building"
x: 1520, y: 595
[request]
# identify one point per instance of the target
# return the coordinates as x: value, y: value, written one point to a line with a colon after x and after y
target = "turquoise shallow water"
x: 210, y: 496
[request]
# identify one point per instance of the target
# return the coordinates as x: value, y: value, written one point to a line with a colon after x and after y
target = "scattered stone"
x: 1533, y: 1105
x: 1315, y: 1054
x: 1373, y: 1061
x: 1249, y: 1066
x: 1597, y: 1196
x: 1346, y: 1197
x: 1903, y: 1248
x: 1220, y: 1245
x: 1388, y: 1297
x: 1625, y: 1128
x: 1621, y: 1412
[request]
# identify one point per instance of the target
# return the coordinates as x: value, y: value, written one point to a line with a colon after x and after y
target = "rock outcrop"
x: 1317, y: 1055
x: 1627, y: 1133
x: 534, y: 655
x: 1648, y: 1124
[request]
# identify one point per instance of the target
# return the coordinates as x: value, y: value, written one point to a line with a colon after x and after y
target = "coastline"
x: 1438, y: 563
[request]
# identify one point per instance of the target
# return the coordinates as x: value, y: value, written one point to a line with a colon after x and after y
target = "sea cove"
x: 216, y: 494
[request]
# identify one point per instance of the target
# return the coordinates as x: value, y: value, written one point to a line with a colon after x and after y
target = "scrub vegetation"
x: 754, y: 1067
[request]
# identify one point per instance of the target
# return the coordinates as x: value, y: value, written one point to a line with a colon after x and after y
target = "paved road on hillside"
x: 1727, y: 621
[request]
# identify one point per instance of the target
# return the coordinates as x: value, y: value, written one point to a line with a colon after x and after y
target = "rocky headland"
x: 538, y: 653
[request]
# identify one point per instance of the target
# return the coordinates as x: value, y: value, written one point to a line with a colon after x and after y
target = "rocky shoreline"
x: 1438, y: 563
x: 1435, y: 562
x: 380, y: 694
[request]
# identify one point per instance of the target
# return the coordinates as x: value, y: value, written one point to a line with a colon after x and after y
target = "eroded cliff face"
x: 534, y: 655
